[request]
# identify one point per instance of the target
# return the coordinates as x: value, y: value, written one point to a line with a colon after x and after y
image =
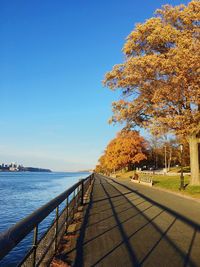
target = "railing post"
x: 78, y: 195
x: 67, y: 214
x: 75, y: 197
x: 73, y: 203
x: 82, y: 191
x: 56, y: 229
x: 35, y: 239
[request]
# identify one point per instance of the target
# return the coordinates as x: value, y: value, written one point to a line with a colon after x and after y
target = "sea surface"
x: 22, y: 193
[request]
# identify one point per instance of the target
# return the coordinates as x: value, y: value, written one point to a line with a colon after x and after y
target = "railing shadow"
x: 196, y: 227
x: 181, y: 217
x: 108, y: 189
x: 79, y: 246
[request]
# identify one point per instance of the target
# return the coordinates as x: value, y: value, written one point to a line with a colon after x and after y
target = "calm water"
x: 22, y: 193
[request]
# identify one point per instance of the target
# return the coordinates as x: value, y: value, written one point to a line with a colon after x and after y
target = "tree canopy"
x: 123, y: 151
x: 159, y: 77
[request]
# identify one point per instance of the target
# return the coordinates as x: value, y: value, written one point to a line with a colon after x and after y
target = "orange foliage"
x: 160, y: 75
x: 123, y: 151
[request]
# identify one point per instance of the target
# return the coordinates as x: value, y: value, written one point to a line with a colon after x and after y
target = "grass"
x: 171, y: 183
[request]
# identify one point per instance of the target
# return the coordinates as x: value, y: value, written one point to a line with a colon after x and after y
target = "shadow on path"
x: 118, y: 230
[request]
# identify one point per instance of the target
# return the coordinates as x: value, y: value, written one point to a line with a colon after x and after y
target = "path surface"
x: 127, y: 224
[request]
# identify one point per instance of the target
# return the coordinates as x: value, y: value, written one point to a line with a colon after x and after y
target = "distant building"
x: 13, y: 167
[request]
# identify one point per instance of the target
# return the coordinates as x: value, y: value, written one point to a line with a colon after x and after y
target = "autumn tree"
x: 164, y: 151
x: 173, y: 152
x: 159, y: 77
x: 102, y: 166
x: 155, y: 155
x: 123, y: 151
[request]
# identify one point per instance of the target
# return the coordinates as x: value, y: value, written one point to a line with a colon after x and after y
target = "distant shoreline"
x: 27, y: 170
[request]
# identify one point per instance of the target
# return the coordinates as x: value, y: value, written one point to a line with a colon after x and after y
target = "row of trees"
x: 126, y: 150
x: 129, y: 150
x: 159, y: 78
x: 164, y: 152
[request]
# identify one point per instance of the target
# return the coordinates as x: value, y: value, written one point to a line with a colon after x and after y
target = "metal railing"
x: 45, y: 247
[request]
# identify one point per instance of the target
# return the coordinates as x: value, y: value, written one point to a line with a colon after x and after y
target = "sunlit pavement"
x: 126, y: 224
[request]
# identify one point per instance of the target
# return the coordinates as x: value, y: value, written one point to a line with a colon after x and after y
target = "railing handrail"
x: 11, y: 237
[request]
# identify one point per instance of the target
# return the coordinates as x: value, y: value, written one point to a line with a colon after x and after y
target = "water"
x: 22, y: 193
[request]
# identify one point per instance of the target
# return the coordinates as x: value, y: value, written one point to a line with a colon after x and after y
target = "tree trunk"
x: 169, y: 160
x: 194, y: 160
x: 129, y: 167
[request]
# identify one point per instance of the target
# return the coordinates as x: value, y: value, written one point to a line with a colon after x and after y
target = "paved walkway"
x: 132, y: 225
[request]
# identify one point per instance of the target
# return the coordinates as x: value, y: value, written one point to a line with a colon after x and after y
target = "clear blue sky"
x: 53, y: 57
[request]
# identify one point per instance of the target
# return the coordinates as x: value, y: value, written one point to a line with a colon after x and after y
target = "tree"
x: 123, y: 151
x: 155, y: 152
x: 159, y: 78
